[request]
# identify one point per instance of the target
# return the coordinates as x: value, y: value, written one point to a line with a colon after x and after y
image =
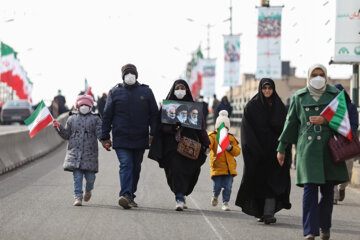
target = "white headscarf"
x: 316, y: 93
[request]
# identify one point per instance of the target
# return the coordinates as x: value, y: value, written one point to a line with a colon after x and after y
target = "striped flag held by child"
x: 223, y: 139
x: 39, y: 119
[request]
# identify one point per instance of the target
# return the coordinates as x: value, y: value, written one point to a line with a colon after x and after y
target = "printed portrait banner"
x: 269, y: 43
x: 347, y: 27
x: 189, y: 114
x: 231, y: 60
x: 208, y: 78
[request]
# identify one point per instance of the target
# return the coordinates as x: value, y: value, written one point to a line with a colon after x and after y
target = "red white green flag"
x: 87, y: 88
x: 223, y: 139
x: 39, y: 119
x: 337, y: 115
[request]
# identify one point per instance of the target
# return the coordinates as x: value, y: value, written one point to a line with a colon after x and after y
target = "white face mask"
x: 180, y: 94
x: 130, y: 79
x: 84, y: 109
x: 317, y: 82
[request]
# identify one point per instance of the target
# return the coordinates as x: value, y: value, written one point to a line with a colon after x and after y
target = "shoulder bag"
x: 187, y: 147
x: 342, y: 149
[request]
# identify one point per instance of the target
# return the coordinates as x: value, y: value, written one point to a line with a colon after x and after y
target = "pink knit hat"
x: 84, y: 100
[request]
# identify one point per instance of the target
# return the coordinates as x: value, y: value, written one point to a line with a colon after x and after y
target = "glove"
x: 106, y: 144
x: 229, y: 148
x: 56, y: 125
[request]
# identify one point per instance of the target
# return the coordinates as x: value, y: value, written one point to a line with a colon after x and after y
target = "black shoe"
x: 133, y: 203
x: 269, y: 219
x: 342, y: 195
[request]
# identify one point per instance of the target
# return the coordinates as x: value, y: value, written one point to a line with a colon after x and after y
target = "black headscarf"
x: 188, y: 97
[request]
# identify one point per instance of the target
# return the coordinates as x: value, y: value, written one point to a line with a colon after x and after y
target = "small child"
x: 82, y: 129
x: 223, y: 168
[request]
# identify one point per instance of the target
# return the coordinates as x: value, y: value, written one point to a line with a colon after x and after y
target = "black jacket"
x: 128, y: 113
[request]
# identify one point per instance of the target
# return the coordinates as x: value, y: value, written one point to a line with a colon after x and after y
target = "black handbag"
x: 342, y: 148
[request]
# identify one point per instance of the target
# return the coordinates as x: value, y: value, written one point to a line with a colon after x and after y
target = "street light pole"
x: 355, y: 80
x: 230, y: 19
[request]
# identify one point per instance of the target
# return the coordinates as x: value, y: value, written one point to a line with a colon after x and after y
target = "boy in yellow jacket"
x: 223, y: 168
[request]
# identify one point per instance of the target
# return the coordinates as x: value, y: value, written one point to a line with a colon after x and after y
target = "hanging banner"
x: 269, y: 43
x: 208, y: 79
x: 347, y: 38
x: 232, y: 60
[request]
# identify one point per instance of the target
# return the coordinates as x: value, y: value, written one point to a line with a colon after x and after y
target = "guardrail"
x: 17, y: 148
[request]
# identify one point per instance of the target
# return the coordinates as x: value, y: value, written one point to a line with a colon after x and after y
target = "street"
x: 36, y: 203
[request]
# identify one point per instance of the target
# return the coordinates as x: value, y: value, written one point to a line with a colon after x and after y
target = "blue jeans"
x: 130, y: 167
x: 78, y: 182
x: 317, y: 214
x: 225, y: 182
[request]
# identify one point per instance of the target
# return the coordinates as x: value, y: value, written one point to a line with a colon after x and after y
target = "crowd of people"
x: 129, y: 122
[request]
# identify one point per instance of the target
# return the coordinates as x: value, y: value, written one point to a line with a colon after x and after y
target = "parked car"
x: 15, y: 111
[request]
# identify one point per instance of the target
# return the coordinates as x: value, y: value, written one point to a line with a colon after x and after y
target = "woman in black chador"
x: 265, y: 186
x: 181, y: 172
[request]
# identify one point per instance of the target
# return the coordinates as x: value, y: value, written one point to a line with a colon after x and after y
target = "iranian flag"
x: 337, y: 115
x: 223, y: 139
x: 87, y: 88
x: 39, y: 119
x: 13, y: 74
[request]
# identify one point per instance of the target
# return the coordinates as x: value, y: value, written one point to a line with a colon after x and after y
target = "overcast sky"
x: 60, y: 43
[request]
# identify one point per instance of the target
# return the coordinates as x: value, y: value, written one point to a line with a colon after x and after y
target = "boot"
x: 324, y: 234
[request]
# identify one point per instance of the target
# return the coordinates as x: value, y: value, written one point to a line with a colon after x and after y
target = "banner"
x: 269, y: 43
x: 347, y: 38
x: 232, y: 60
x: 208, y: 79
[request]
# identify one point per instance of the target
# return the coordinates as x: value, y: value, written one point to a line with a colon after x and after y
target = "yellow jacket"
x: 226, y: 163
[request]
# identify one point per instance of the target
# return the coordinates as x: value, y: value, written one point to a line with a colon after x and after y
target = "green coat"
x: 314, y: 162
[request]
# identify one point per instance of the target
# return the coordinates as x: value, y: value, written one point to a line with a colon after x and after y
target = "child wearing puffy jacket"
x: 82, y: 129
x: 223, y: 167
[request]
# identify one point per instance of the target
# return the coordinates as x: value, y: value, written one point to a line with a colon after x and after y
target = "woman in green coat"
x: 314, y: 165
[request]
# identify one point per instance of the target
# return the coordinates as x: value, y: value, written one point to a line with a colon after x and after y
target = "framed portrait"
x: 189, y: 114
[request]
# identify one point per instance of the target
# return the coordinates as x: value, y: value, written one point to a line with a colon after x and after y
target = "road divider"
x: 17, y: 148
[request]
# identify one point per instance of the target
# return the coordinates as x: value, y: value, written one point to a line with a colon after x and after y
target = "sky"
x: 60, y: 43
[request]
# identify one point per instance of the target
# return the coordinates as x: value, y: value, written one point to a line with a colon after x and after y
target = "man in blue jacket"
x: 129, y: 111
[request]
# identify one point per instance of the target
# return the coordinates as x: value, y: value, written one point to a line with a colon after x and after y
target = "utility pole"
x: 230, y: 19
x: 355, y: 80
x: 208, y: 39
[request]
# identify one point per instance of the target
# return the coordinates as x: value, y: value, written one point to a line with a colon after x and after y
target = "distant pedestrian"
x: 82, y: 129
x: 205, y: 108
x: 224, y: 105
x: 101, y: 104
x: 314, y: 164
x: 61, y: 101
x: 339, y: 190
x: 223, y: 168
x: 181, y: 172
x: 129, y: 112
x: 265, y: 185
x: 214, y: 106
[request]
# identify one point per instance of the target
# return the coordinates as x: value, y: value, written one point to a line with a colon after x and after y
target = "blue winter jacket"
x: 128, y: 113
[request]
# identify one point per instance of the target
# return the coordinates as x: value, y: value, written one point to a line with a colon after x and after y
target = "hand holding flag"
x: 337, y: 115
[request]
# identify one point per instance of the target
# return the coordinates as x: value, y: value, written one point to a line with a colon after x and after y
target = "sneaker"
x: 185, y: 206
x: 133, y: 203
x: 78, y: 202
x: 225, y: 206
x: 269, y: 219
x: 124, y: 201
x: 214, y: 201
x: 309, y: 237
x: 179, y: 205
x: 87, y: 196
x: 324, y: 234
x: 342, y: 195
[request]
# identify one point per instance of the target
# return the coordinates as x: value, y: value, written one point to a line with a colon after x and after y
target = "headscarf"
x: 316, y: 93
x: 188, y: 97
x: 260, y: 96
